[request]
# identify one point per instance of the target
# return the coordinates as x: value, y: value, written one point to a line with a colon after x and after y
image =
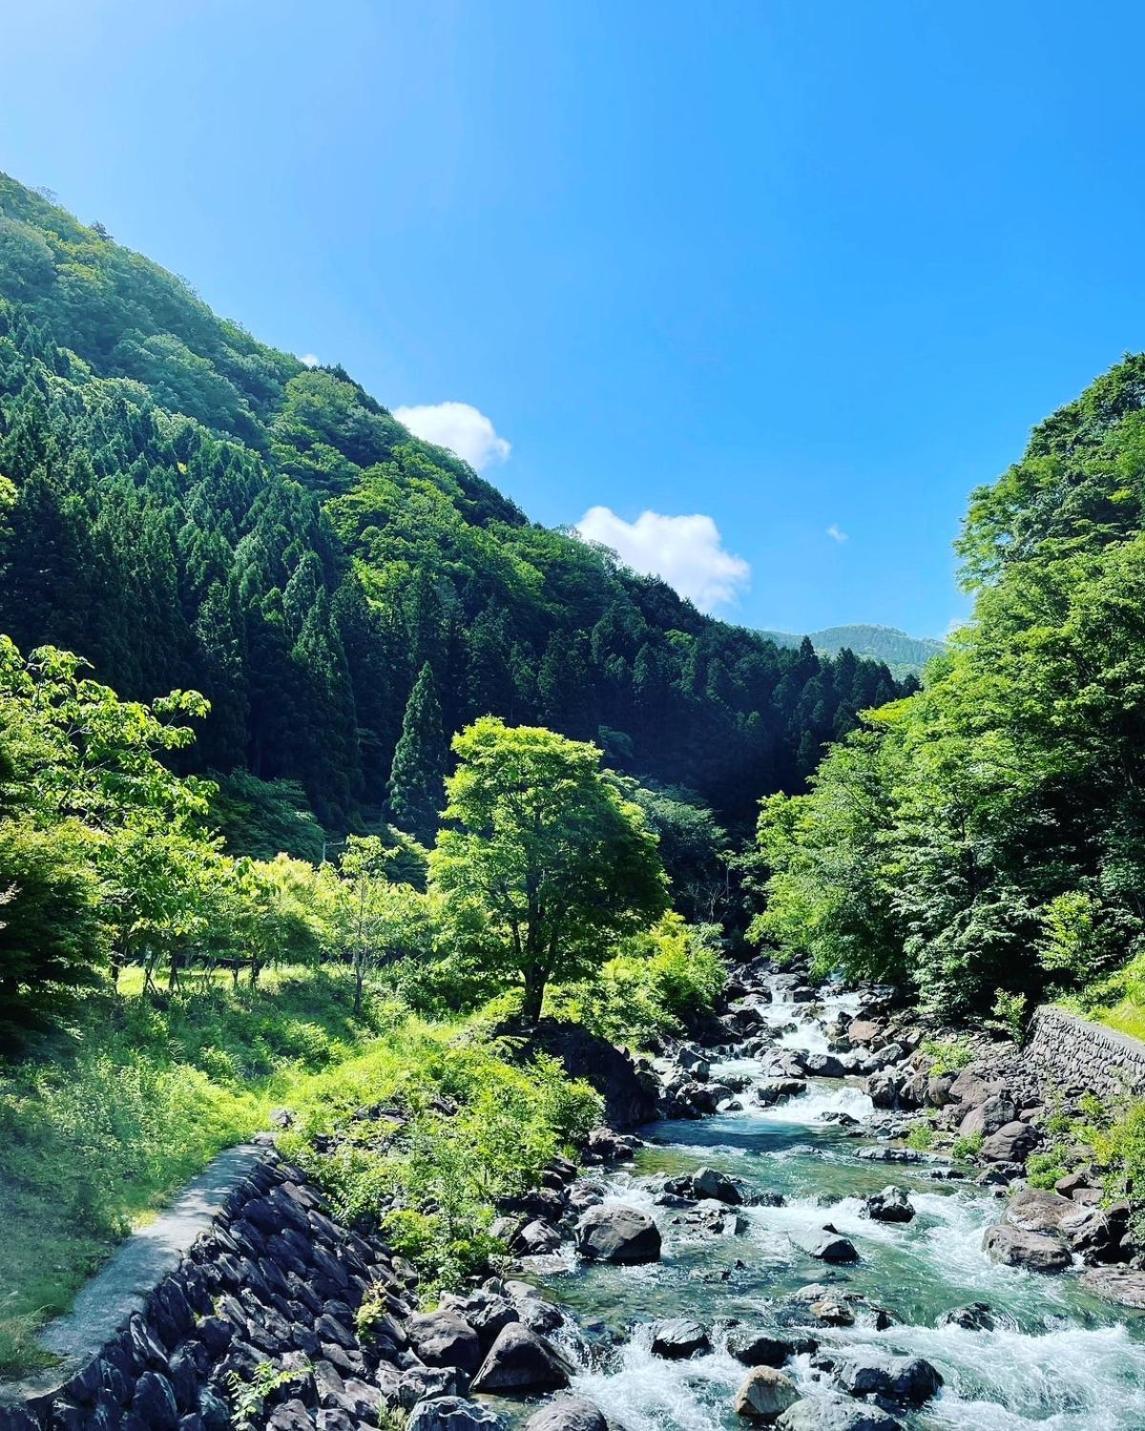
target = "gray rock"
x: 520, y: 1360
x: 567, y: 1413
x: 679, y: 1338
x: 618, y: 1234
x: 890, y: 1205
x: 994, y: 1113
x: 708, y: 1183
x: 486, y: 1312
x: 834, y: 1248
x: 764, y: 1394
x: 1012, y: 1143
x: 832, y: 1413
x: 1123, y: 1285
x: 1034, y: 1210
x: 445, y: 1339
x: 1015, y: 1248
x: 759, y: 1348
x: 453, y: 1413
x: 536, y: 1239
x: 974, y: 1317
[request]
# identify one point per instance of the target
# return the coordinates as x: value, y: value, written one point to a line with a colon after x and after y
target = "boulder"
x: 764, y: 1394
x: 823, y: 1065
x: 863, y: 1030
x: 909, y: 1381
x: 1012, y: 1143
x: 707, y: 1182
x: 1096, y: 1233
x: 453, y: 1413
x: 679, y: 1338
x: 618, y: 1233
x: 994, y: 1113
x: 832, y: 1311
x: 1123, y: 1285
x: 536, y: 1239
x: 759, y: 1348
x: 890, y: 1205
x: 486, y: 1312
x: 445, y: 1339
x: 971, y: 1088
x: 833, y: 1248
x: 520, y: 1360
x: 974, y: 1317
x: 1034, y: 1210
x: 567, y: 1413
x: 883, y: 1089
x: 823, y: 1413
x: 1016, y: 1248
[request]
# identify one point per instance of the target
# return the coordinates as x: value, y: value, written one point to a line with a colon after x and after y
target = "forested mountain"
x: 985, y: 838
x: 903, y: 655
x: 185, y: 507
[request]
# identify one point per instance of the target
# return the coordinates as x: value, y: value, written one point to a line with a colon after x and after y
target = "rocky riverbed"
x: 769, y: 1251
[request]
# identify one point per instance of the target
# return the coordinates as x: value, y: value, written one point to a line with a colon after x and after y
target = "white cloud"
x: 836, y: 533
x: 460, y: 427
x: 308, y: 360
x: 688, y: 552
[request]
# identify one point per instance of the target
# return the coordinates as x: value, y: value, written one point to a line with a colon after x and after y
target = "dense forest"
x: 903, y: 655
x: 984, y: 839
x: 189, y: 509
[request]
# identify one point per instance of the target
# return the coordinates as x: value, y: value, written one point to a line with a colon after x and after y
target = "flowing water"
x: 1057, y: 1358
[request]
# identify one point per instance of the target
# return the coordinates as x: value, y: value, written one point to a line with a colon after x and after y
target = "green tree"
x: 549, y: 865
x: 418, y: 772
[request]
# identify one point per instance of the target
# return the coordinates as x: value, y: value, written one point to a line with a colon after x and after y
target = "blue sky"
x: 805, y: 273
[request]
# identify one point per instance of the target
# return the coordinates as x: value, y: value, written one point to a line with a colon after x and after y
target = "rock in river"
x: 453, y: 1413
x: 618, y: 1234
x: 890, y: 1205
x: 764, y: 1394
x: 833, y: 1248
x: 520, y: 1360
x: 1016, y: 1248
x: 445, y: 1339
x: 679, y: 1338
x: 835, y: 1414
x: 764, y: 1349
x: 1123, y: 1285
x: 568, y: 1413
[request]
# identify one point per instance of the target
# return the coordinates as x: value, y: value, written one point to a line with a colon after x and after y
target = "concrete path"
x: 134, y: 1270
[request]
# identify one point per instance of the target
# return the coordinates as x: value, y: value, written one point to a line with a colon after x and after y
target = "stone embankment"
x: 1076, y: 1054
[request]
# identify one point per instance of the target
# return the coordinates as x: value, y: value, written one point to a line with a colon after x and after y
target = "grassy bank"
x: 102, y: 1123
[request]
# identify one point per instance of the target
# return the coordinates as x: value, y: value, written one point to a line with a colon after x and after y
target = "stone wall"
x: 271, y: 1277
x: 1074, y: 1054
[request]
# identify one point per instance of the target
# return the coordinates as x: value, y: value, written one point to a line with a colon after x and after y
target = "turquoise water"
x: 1057, y: 1358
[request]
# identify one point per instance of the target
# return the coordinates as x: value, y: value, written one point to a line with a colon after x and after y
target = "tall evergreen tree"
x: 417, y: 779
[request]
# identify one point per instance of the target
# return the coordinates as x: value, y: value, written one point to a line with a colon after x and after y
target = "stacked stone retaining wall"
x: 1078, y: 1056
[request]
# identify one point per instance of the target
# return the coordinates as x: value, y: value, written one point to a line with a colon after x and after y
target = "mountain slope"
x: 187, y: 507
x: 903, y: 655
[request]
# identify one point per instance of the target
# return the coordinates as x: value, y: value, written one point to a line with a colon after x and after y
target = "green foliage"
x: 188, y: 507
x: 967, y: 1146
x: 1004, y: 813
x: 660, y: 983
x: 460, y: 1127
x: 542, y: 865
x: 1009, y: 1014
x: 948, y: 1055
x: 101, y: 1124
x: 920, y: 1138
x: 248, y: 1398
x: 264, y: 818
x: 417, y: 779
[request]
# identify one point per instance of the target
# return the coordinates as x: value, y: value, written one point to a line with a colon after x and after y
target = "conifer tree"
x: 417, y: 778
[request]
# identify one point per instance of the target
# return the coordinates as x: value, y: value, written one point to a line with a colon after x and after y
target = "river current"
x: 1057, y: 1358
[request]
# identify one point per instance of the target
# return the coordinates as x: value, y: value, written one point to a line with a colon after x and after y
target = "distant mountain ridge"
x: 904, y: 655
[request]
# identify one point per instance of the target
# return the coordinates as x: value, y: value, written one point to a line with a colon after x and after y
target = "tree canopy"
x: 542, y: 863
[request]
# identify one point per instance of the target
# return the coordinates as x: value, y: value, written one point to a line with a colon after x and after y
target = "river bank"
x: 770, y: 1249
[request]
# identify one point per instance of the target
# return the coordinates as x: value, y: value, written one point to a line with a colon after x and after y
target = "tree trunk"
x: 535, y: 980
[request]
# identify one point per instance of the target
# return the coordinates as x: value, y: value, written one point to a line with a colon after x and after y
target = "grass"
x: 103, y: 1122
x: 1127, y: 1016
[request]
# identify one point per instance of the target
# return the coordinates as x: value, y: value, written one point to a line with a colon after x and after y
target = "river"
x: 1057, y: 1358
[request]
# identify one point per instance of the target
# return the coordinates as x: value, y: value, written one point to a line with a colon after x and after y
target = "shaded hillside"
x: 187, y: 507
